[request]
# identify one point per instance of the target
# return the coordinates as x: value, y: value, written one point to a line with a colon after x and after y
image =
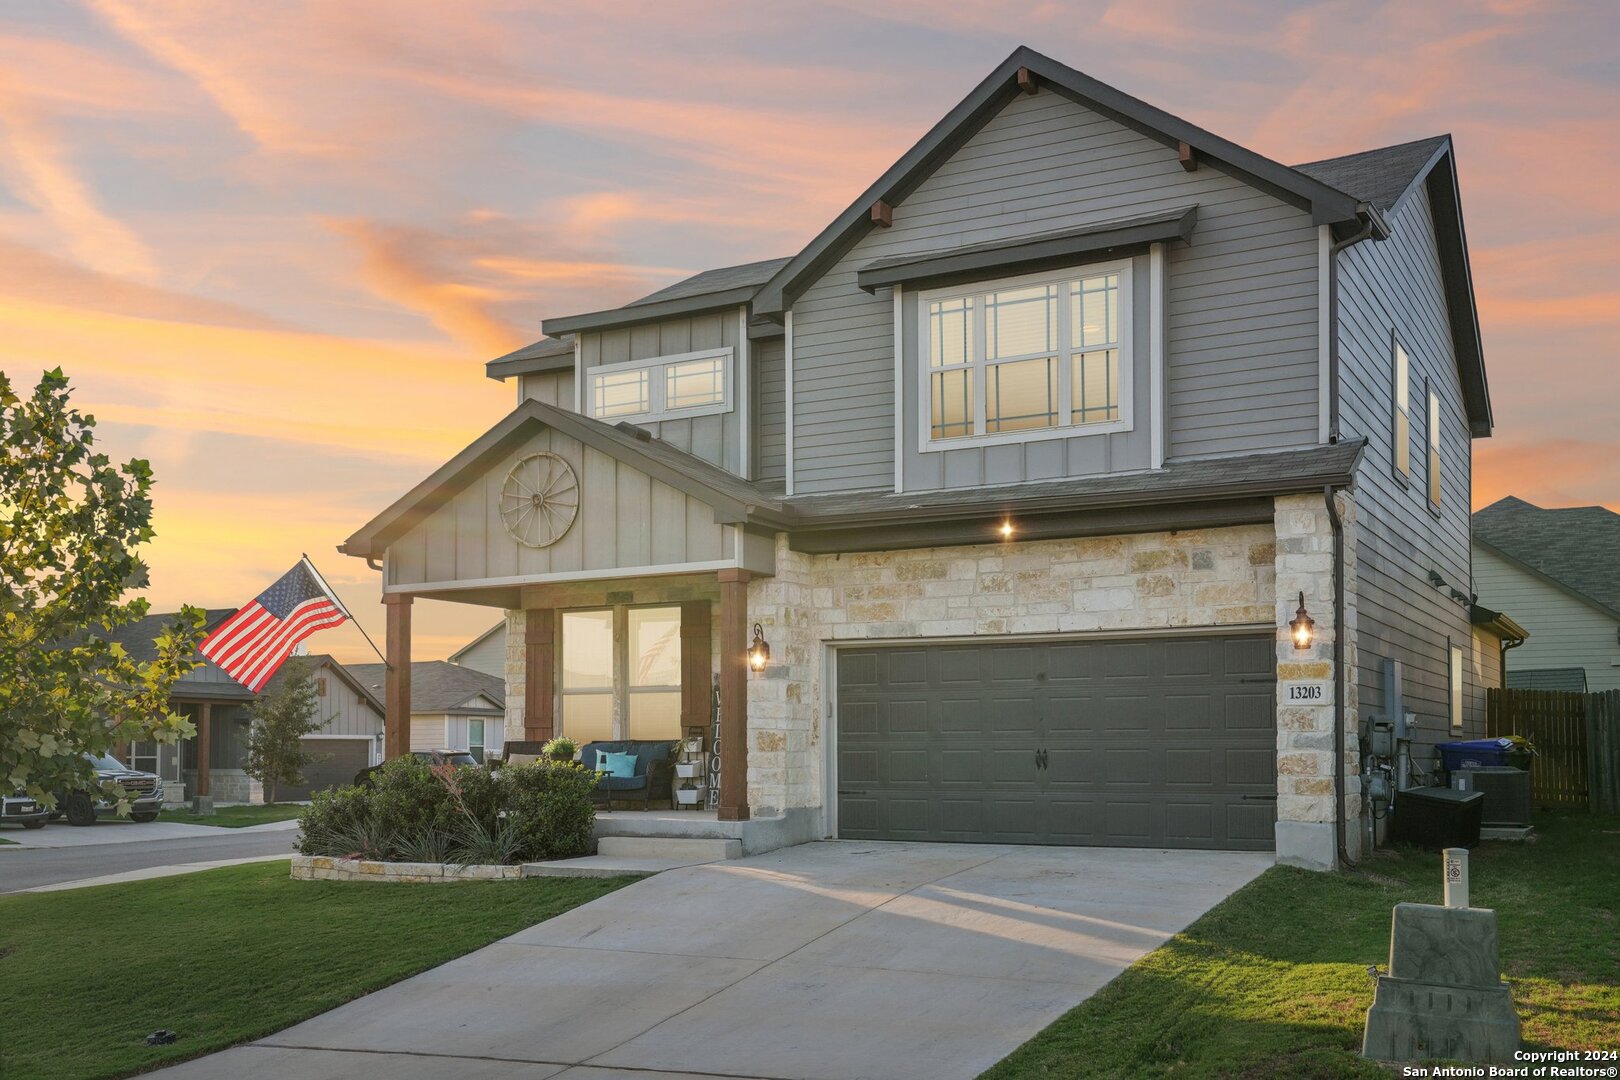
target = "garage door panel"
x: 337, y: 760
x: 1148, y: 742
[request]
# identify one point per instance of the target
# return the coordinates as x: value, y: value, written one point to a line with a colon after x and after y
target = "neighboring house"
x: 486, y: 652
x: 452, y: 707
x: 217, y: 705
x: 1022, y: 467
x: 1558, y: 571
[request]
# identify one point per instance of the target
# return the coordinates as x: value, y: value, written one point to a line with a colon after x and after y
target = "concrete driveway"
x: 828, y: 961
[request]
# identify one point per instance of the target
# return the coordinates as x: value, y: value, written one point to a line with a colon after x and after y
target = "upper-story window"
x: 1026, y: 359
x: 662, y: 388
x: 1401, y: 428
x: 1434, y: 449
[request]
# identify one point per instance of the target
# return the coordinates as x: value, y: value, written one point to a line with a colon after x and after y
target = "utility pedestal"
x: 202, y: 805
x: 1443, y: 996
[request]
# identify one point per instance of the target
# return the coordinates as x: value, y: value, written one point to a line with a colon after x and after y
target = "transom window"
x: 621, y: 673
x: 663, y: 388
x: 1026, y: 358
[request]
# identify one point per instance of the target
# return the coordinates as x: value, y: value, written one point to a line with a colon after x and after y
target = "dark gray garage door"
x: 1162, y: 742
x: 339, y: 760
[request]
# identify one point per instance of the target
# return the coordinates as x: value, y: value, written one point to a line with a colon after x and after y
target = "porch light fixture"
x: 1007, y: 529
x: 1302, y: 628
x: 759, y: 653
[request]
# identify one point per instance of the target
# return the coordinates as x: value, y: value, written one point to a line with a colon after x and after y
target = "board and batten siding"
x: 1565, y: 632
x: 1241, y: 300
x: 350, y: 713
x: 555, y: 388
x: 770, y: 412
x: 716, y: 438
x: 1394, y: 287
x: 626, y: 519
x: 486, y: 653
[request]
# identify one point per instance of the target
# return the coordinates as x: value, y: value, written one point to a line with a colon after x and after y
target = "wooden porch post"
x: 205, y: 748
x: 734, y: 695
x: 697, y: 665
x: 539, y: 669
x: 397, y: 681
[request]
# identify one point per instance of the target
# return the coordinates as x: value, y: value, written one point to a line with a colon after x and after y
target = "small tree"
x: 280, y: 720
x: 70, y: 522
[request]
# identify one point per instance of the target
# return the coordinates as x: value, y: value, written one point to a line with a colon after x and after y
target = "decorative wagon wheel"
x: 539, y: 500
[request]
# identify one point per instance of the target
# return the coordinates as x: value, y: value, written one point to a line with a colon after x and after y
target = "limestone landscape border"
x: 327, y: 868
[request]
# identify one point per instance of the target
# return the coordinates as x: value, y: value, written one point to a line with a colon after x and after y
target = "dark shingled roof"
x: 719, y: 280
x: 1577, y: 547
x: 1380, y: 176
x: 547, y: 354
x: 438, y: 686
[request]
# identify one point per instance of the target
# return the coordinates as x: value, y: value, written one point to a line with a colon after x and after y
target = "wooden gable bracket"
x: 1026, y: 81
x: 1188, y: 157
x: 882, y: 214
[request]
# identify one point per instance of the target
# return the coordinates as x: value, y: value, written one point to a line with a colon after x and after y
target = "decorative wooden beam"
x: 733, y: 695
x: 397, y: 679
x: 1188, y: 157
x: 1026, y: 81
x: 539, y: 668
x: 882, y: 214
x: 697, y: 666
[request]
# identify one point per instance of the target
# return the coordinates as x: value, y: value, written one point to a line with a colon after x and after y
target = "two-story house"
x: 1022, y: 469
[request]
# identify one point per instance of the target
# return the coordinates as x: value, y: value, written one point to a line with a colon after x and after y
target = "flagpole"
x: 332, y: 595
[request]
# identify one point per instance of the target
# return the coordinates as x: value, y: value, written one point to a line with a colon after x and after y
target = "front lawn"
x: 236, y: 817
x: 1273, y: 982
x: 228, y: 955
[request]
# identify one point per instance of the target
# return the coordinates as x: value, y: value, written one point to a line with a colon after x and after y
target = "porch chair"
x: 654, y: 777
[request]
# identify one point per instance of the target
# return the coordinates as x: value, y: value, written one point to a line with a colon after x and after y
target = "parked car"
x: 429, y: 757
x: 24, y: 810
x: 84, y: 807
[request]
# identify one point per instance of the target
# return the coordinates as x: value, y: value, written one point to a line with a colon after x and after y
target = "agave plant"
x: 425, y: 846
x: 476, y: 844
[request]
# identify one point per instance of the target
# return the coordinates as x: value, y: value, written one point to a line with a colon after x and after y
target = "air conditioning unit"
x: 1507, y: 792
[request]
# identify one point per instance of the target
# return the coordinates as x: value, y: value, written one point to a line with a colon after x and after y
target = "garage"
x: 1130, y: 742
x: 338, y: 761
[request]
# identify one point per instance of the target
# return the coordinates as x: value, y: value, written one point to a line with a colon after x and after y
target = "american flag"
x: 251, y: 644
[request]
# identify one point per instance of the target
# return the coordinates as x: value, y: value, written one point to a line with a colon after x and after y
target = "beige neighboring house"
x: 453, y: 707
x: 486, y: 652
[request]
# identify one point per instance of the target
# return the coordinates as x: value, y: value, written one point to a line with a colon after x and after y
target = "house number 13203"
x: 1304, y: 693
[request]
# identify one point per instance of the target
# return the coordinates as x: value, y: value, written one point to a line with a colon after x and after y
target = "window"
x: 143, y: 756
x: 663, y: 388
x: 1026, y: 359
x: 475, y: 739
x: 621, y: 673
x: 1456, y: 689
x: 1402, y: 425
x: 1434, y: 450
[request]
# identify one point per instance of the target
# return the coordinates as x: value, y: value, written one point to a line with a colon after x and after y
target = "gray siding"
x: 1241, y: 301
x: 1394, y: 287
x: 487, y: 653
x: 551, y: 388
x: 1564, y: 632
x: 717, y: 438
x: 770, y: 412
x: 626, y: 519
x: 345, y: 712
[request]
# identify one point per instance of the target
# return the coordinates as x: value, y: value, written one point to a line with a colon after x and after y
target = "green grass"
x: 1273, y: 982
x: 236, y: 817
x: 227, y: 955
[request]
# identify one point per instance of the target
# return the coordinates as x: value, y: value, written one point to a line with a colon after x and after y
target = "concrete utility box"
x: 1443, y: 996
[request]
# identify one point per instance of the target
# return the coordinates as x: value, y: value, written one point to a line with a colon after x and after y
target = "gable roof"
x: 438, y: 686
x: 726, y: 286
x: 1328, y: 205
x: 1576, y: 548
x: 734, y: 499
x: 326, y: 662
x: 500, y: 627
x: 547, y: 354
x: 1380, y: 177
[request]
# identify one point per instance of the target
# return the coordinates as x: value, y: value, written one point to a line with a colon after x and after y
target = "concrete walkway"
x: 821, y: 962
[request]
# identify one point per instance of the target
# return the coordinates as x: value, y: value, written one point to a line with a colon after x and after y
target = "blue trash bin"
x: 1473, y: 753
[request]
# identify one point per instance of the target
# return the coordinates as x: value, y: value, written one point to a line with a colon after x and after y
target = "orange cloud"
x: 1550, y: 472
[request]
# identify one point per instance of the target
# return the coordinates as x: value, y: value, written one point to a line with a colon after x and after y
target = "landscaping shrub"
x: 413, y: 812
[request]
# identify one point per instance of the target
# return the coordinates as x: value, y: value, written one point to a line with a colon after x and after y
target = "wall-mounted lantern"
x: 759, y: 653
x: 1006, y: 529
x: 1302, y: 628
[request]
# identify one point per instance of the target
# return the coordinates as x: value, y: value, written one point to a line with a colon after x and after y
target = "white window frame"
x: 1400, y: 417
x: 622, y: 686
x: 657, y: 383
x: 1456, y: 680
x: 1434, y: 475
x: 927, y: 444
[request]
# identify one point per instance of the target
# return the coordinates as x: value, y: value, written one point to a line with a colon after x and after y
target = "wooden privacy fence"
x: 1577, y: 738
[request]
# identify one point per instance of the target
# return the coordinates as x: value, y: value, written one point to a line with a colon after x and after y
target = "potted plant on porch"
x: 562, y: 748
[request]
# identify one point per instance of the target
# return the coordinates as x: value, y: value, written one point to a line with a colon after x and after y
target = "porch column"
x: 397, y: 681
x: 734, y: 695
x: 539, y: 668
x: 697, y: 666
x: 205, y: 747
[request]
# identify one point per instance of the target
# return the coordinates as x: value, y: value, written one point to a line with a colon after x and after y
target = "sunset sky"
x: 274, y: 242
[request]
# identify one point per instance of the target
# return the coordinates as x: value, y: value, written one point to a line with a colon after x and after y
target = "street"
x: 29, y: 868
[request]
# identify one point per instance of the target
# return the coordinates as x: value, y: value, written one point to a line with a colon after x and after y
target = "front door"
x: 621, y: 673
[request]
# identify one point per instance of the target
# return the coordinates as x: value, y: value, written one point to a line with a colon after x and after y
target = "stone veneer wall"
x: 1305, y: 831
x: 1148, y: 581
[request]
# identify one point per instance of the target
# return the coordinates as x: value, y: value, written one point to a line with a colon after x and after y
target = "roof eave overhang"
x: 1037, y: 253
x: 501, y: 370
x: 1327, y: 205
x: 634, y: 314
